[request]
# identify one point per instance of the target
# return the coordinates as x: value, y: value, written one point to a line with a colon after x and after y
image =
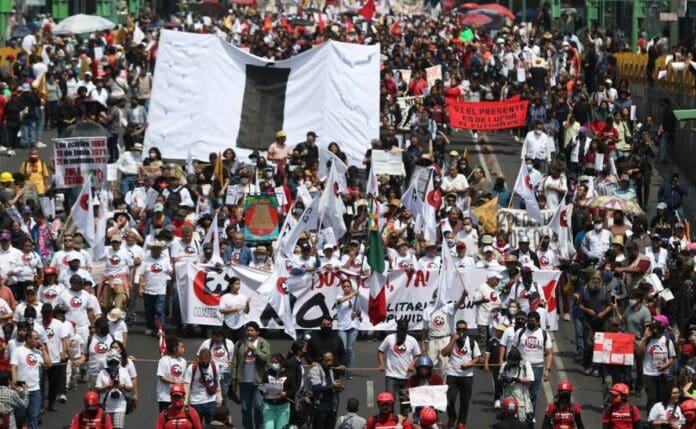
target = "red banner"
x: 488, y: 115
x: 613, y: 348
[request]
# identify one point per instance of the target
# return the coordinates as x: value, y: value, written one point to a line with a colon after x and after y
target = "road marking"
x: 370, y: 399
x: 484, y: 164
x: 560, y: 370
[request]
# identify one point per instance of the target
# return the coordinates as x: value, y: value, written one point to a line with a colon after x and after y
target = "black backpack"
x: 173, y: 199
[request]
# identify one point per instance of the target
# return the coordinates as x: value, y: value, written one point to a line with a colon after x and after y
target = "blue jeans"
x: 205, y: 411
x: 28, y: 130
x: 127, y: 184
x: 579, y: 339
x: 663, y: 148
x: 40, y: 122
x: 395, y: 386
x: 252, y: 406
x: 225, y: 381
x: 534, y: 388
x: 34, y: 410
x: 348, y: 337
x: 154, y: 306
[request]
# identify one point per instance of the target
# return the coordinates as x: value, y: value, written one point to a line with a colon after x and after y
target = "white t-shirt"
x: 114, y: 405
x: 157, y: 272
x: 671, y: 413
x: 460, y: 356
x: 427, y: 263
x: 657, y: 352
x: 398, y: 358
x: 78, y: 303
x: 237, y: 319
x: 50, y: 294
x: 117, y: 329
x: 117, y: 261
x: 220, y: 356
x: 344, y: 313
x: 55, y: 334
x: 5, y: 307
x: 532, y: 346
x: 483, y: 311
x: 186, y: 252
x: 64, y: 276
x: 18, y: 315
x: 198, y: 394
x: 28, y: 363
x: 407, y: 262
x: 96, y: 351
x: 440, y: 322
x: 171, y: 368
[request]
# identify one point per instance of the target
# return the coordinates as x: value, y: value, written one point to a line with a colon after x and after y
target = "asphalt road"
x: 501, y: 154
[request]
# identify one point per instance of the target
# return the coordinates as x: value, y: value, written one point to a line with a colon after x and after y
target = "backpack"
x: 187, y: 415
x: 372, y: 421
x: 173, y: 199
x: 521, y: 331
x: 305, y: 401
x: 102, y: 424
x: 345, y: 422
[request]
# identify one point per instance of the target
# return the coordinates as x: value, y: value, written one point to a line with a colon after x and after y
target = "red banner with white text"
x: 487, y: 115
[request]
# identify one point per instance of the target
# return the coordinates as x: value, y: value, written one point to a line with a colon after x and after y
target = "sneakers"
x: 11, y: 153
x: 40, y: 144
x: 497, y: 404
x: 148, y: 332
x: 62, y: 399
x: 566, y: 317
x: 3, y: 149
x: 461, y: 425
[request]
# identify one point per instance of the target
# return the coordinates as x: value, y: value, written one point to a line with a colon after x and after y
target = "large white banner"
x: 312, y: 296
x: 208, y: 95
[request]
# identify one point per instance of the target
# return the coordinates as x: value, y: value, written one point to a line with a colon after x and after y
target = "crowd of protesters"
x: 582, y: 141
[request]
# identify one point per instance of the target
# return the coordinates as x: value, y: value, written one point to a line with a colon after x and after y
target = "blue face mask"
x: 608, y: 275
x: 275, y: 366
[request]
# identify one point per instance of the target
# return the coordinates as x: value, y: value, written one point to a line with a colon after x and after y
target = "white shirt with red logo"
x: 461, y: 356
x: 78, y: 303
x: 426, y: 263
x: 407, y: 262
x: 156, y: 272
x: 55, y: 333
x: 117, y: 261
x: 4, y: 307
x: 28, y: 363
x: 49, y: 294
x: 532, y: 345
x: 219, y: 354
x: 172, y: 369
x: 96, y: 349
x: 483, y: 311
x: 440, y: 322
x: 657, y: 352
x: 398, y: 358
x: 185, y: 252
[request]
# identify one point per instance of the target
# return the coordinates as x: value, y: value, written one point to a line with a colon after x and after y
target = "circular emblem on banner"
x: 282, y: 285
x: 261, y: 218
x: 84, y: 202
x: 176, y: 370
x: 528, y: 182
x: 434, y: 198
x: 32, y: 360
x: 210, y: 286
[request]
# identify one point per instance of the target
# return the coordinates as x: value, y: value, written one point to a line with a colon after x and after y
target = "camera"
x: 115, y: 394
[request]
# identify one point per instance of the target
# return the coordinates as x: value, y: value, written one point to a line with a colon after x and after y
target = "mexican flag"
x: 377, y: 306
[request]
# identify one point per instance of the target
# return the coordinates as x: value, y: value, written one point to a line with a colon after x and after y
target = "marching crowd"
x: 583, y: 141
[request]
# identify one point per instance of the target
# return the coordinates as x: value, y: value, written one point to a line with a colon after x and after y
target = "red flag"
x: 368, y: 10
x: 396, y: 28
x: 160, y: 334
x: 349, y: 25
x: 267, y: 24
x: 322, y: 23
x: 286, y: 24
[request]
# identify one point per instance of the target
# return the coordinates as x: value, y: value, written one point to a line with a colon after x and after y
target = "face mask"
x: 530, y: 167
x: 400, y: 337
x: 450, y: 243
x: 512, y: 311
x: 598, y: 227
x: 204, y: 365
x: 275, y: 366
x: 608, y: 276
x: 615, y: 399
x: 179, y: 403
x: 244, y: 180
x: 632, y: 302
x: 261, y: 258
x: 104, y: 331
x: 531, y: 326
x: 297, y: 211
x: 468, y: 228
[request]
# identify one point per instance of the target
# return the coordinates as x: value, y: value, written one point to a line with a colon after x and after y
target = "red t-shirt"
x: 562, y: 417
x: 622, y: 416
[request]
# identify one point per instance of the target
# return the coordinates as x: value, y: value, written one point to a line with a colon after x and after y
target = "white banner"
x: 432, y: 74
x: 240, y: 100
x: 312, y: 296
x: 405, y: 104
x: 77, y: 158
x: 429, y: 396
x: 519, y: 222
x: 388, y: 162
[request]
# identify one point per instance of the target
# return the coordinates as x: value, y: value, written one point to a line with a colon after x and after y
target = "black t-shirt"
x: 538, y: 78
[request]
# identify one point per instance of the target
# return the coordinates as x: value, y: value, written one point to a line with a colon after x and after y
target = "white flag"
x: 138, y: 35
x: 411, y: 200
x: 189, y: 163
x: 99, y: 246
x: 82, y: 213
x: 275, y: 289
x: 433, y: 200
x: 559, y: 225
x: 523, y: 188
x: 332, y: 207
x: 372, y: 187
x: 331, y: 165
x: 448, y: 277
x: 308, y: 222
x: 213, y: 235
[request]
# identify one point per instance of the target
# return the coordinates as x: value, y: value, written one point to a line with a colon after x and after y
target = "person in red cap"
x: 93, y: 416
x: 688, y: 409
x: 428, y: 418
x: 178, y: 416
x: 562, y: 413
x: 386, y: 417
x: 620, y: 413
x: 509, y: 419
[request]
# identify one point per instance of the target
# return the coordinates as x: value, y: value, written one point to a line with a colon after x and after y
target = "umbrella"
x: 476, y: 19
x: 211, y: 8
x: 80, y: 23
x: 20, y: 31
x: 611, y: 202
x: 502, y: 10
x: 85, y: 129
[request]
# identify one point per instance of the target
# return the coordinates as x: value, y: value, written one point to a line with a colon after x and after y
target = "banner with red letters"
x: 313, y: 295
x: 487, y: 115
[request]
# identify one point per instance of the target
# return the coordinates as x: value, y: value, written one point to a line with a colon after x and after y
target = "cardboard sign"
x: 233, y: 195
x: 432, y: 74
x: 388, y: 162
x: 613, y: 348
x: 429, y: 396
x: 405, y: 104
x: 151, y: 171
x: 79, y: 157
x: 487, y: 115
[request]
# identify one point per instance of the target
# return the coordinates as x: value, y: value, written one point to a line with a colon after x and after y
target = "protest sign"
x: 487, y: 115
x: 405, y: 75
x: 233, y: 195
x: 151, y: 198
x: 389, y: 162
x: 405, y: 104
x: 432, y: 74
x: 519, y: 222
x: 48, y: 207
x: 77, y: 158
x: 429, y: 396
x: 261, y: 217
x: 613, y: 348
x: 151, y: 171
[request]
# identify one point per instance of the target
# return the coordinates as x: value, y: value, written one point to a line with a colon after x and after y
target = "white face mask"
x: 537, y: 132
x: 530, y: 167
x: 632, y: 302
x: 468, y: 228
x: 598, y: 226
